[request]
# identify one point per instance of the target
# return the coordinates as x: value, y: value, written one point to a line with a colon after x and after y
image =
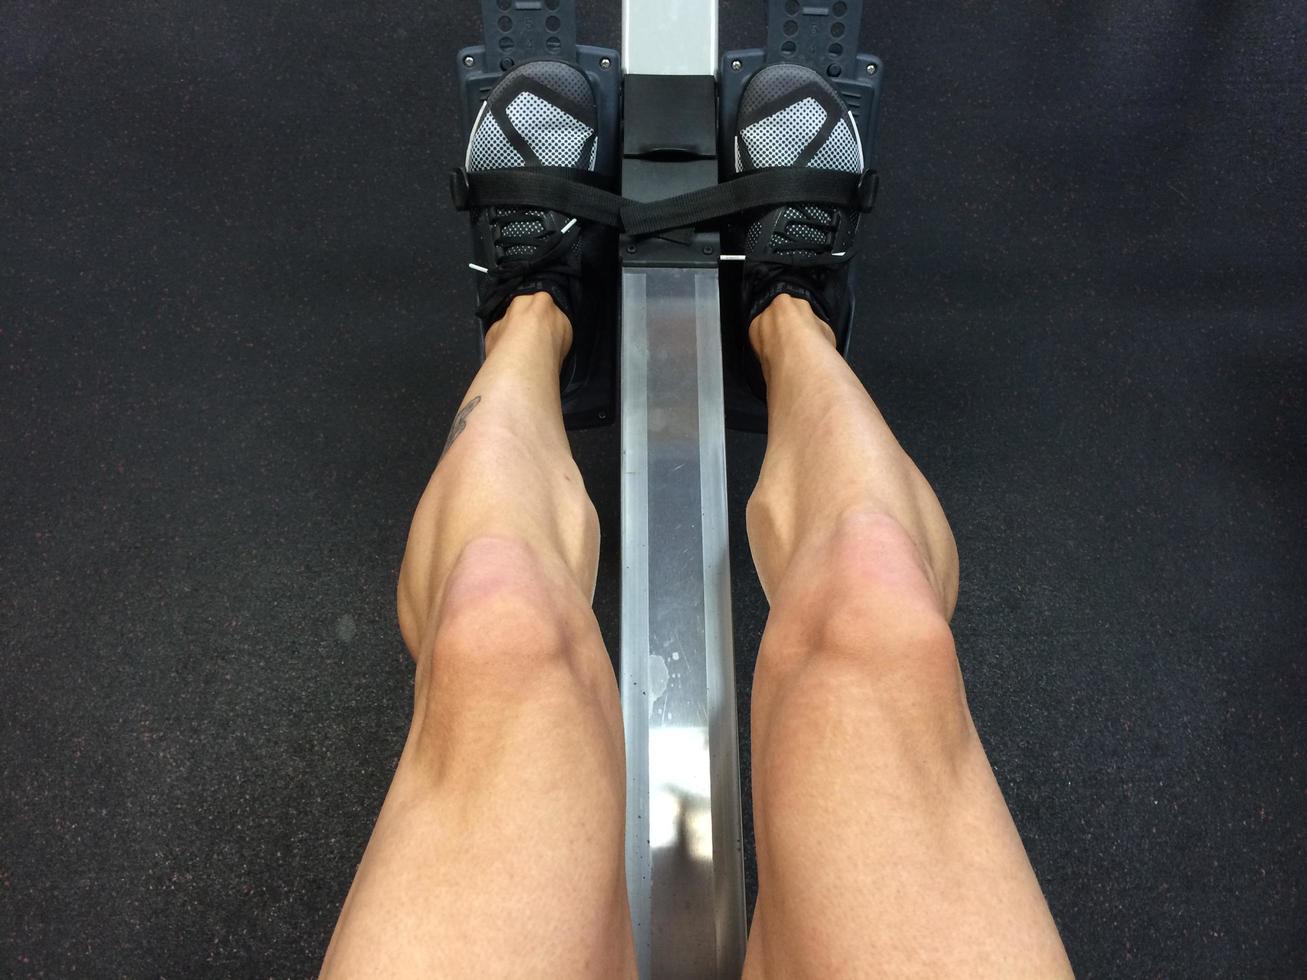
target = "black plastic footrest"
x: 519, y: 29
x: 516, y: 31
x: 822, y: 35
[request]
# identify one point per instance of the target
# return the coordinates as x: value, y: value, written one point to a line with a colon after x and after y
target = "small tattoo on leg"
x: 460, y: 423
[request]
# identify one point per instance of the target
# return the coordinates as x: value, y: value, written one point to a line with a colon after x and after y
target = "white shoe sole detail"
x: 467, y: 156
x: 857, y: 141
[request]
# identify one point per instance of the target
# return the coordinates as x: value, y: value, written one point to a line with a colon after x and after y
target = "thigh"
x: 498, y: 850
x: 884, y: 844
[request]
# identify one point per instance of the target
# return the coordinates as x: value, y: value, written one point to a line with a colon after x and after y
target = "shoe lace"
x: 526, y: 249
x: 800, y: 255
x: 507, y: 225
x: 797, y: 235
x: 796, y: 255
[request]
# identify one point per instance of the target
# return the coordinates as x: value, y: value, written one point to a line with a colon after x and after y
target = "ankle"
x: 534, y: 317
x: 786, y: 320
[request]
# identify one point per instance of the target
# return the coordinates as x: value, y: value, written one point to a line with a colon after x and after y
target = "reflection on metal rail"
x: 684, y: 861
x: 684, y: 850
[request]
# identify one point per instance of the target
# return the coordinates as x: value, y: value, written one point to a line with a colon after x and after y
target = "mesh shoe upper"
x: 791, y: 117
x: 540, y: 114
x: 546, y: 117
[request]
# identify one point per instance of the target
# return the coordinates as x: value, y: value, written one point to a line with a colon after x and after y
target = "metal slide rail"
x: 684, y: 857
x: 683, y: 853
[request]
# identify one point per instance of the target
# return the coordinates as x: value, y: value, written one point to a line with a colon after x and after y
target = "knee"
x: 507, y: 621
x: 864, y: 583
x: 513, y: 659
x: 492, y: 563
x: 866, y: 622
x: 880, y: 586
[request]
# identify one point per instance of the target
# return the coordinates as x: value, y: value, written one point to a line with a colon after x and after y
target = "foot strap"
x: 759, y: 189
x: 572, y: 192
x: 576, y: 193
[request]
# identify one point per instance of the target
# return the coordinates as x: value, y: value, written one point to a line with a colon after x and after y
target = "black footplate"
x: 523, y: 30
x: 824, y: 37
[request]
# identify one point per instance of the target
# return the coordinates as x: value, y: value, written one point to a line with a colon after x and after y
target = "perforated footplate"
x: 519, y: 29
x: 823, y: 36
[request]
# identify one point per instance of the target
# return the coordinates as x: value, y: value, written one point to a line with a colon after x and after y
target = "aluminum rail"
x: 684, y: 858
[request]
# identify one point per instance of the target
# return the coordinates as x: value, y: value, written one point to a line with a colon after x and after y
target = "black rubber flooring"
x: 233, y: 328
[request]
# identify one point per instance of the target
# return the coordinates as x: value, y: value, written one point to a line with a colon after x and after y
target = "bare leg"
x: 884, y: 844
x: 498, y: 851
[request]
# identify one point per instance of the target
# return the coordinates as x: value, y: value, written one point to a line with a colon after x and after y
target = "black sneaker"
x: 542, y: 114
x: 791, y: 117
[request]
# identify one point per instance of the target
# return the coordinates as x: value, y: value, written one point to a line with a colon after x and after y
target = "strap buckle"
x: 459, y: 190
x: 868, y: 189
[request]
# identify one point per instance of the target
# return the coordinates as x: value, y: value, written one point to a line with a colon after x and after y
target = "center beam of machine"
x: 684, y: 857
x: 669, y: 147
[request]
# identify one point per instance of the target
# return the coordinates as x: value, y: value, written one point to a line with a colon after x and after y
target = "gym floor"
x: 235, y: 323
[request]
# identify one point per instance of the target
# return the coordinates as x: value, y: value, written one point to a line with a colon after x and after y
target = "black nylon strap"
x: 763, y: 188
x: 555, y: 189
x: 574, y: 193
